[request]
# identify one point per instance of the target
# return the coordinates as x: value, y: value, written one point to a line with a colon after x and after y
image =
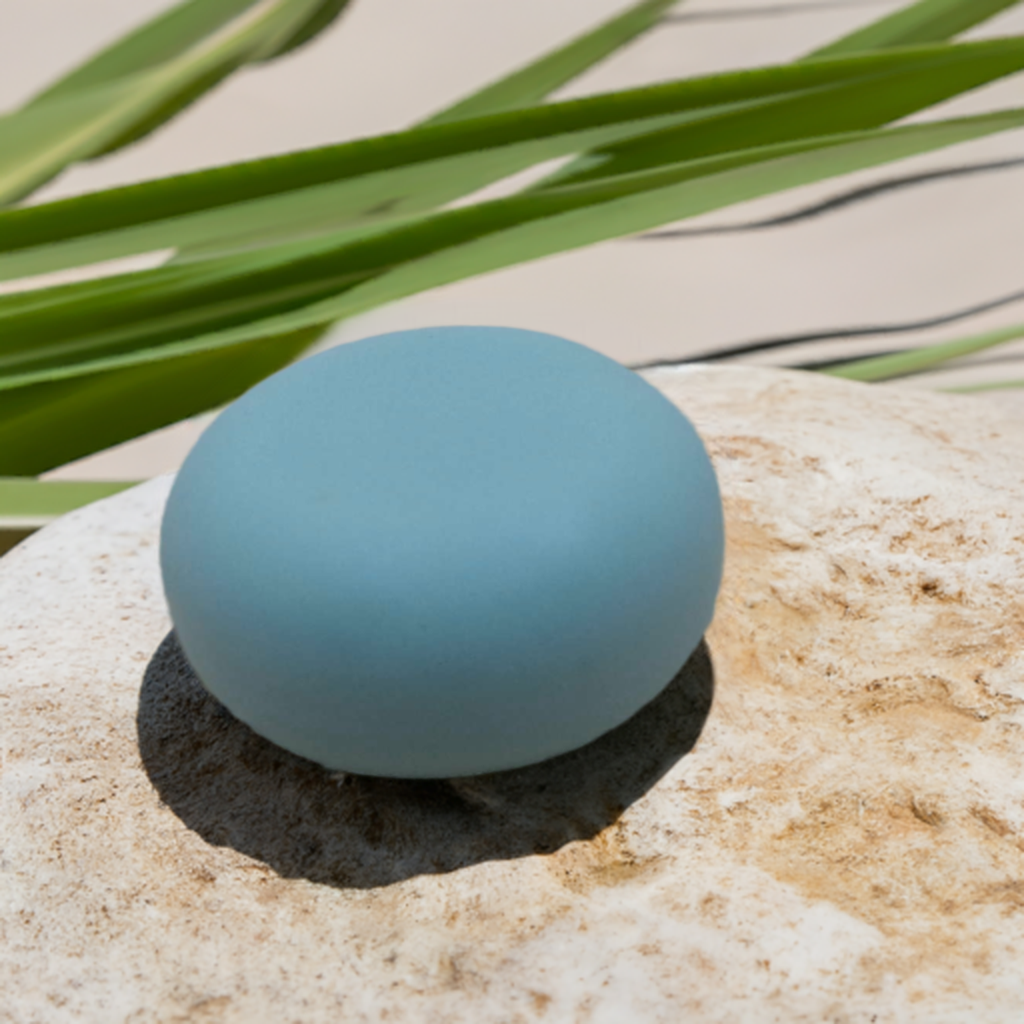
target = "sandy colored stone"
x: 821, y: 819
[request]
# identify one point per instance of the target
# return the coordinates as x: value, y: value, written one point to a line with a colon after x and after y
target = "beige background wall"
x: 905, y: 255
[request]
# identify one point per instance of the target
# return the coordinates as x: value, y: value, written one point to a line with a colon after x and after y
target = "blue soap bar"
x: 443, y: 552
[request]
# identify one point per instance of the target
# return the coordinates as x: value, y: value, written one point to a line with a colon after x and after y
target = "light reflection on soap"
x: 443, y: 552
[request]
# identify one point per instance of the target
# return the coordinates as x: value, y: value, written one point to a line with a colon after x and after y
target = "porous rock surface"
x: 821, y: 819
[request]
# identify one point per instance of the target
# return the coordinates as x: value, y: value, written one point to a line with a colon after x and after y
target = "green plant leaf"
x: 164, y: 38
x: 189, y: 24
x: 995, y: 385
x: 322, y: 18
x: 52, y: 415
x: 512, y: 231
x: 146, y: 217
x: 87, y: 366
x: 49, y: 416
x: 526, y: 86
x: 539, y: 79
x: 54, y: 423
x: 53, y: 329
x: 88, y: 320
x: 27, y: 503
x: 929, y: 21
x: 96, y: 108
x: 374, y: 180
x: 928, y: 357
x: 890, y: 91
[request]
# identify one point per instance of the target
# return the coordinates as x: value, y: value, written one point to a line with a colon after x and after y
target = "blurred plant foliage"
x: 267, y: 254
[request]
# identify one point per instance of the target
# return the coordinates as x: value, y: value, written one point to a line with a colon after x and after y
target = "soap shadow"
x: 236, y: 789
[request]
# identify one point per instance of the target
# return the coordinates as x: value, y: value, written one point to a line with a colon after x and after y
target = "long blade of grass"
x: 322, y: 17
x: 449, y: 246
x: 929, y: 21
x: 582, y: 216
x: 202, y: 190
x: 54, y: 423
x: 149, y: 309
x: 58, y: 327
x: 164, y: 38
x: 406, y: 172
x: 922, y: 23
x: 51, y: 416
x: 29, y: 503
x: 250, y: 352
x: 893, y: 92
x: 537, y: 80
x: 903, y: 364
x: 524, y: 87
x: 993, y: 385
x: 75, y: 122
x: 359, y: 200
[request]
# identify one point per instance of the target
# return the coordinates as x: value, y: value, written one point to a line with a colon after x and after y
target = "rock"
x: 821, y: 818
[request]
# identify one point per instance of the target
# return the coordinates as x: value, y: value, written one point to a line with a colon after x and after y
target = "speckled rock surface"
x: 822, y: 818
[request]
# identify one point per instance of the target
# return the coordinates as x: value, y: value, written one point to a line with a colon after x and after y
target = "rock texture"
x: 822, y: 818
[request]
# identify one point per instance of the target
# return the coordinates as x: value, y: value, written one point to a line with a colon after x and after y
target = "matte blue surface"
x: 443, y: 552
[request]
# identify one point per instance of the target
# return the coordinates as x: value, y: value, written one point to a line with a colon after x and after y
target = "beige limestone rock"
x: 839, y: 838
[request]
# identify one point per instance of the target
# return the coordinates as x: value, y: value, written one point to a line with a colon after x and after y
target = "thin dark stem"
x: 835, y: 334
x: 838, y: 202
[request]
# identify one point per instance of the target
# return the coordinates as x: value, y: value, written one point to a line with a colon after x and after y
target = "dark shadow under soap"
x: 236, y: 789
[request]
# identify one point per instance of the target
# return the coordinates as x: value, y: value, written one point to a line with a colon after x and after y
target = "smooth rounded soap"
x: 443, y: 552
